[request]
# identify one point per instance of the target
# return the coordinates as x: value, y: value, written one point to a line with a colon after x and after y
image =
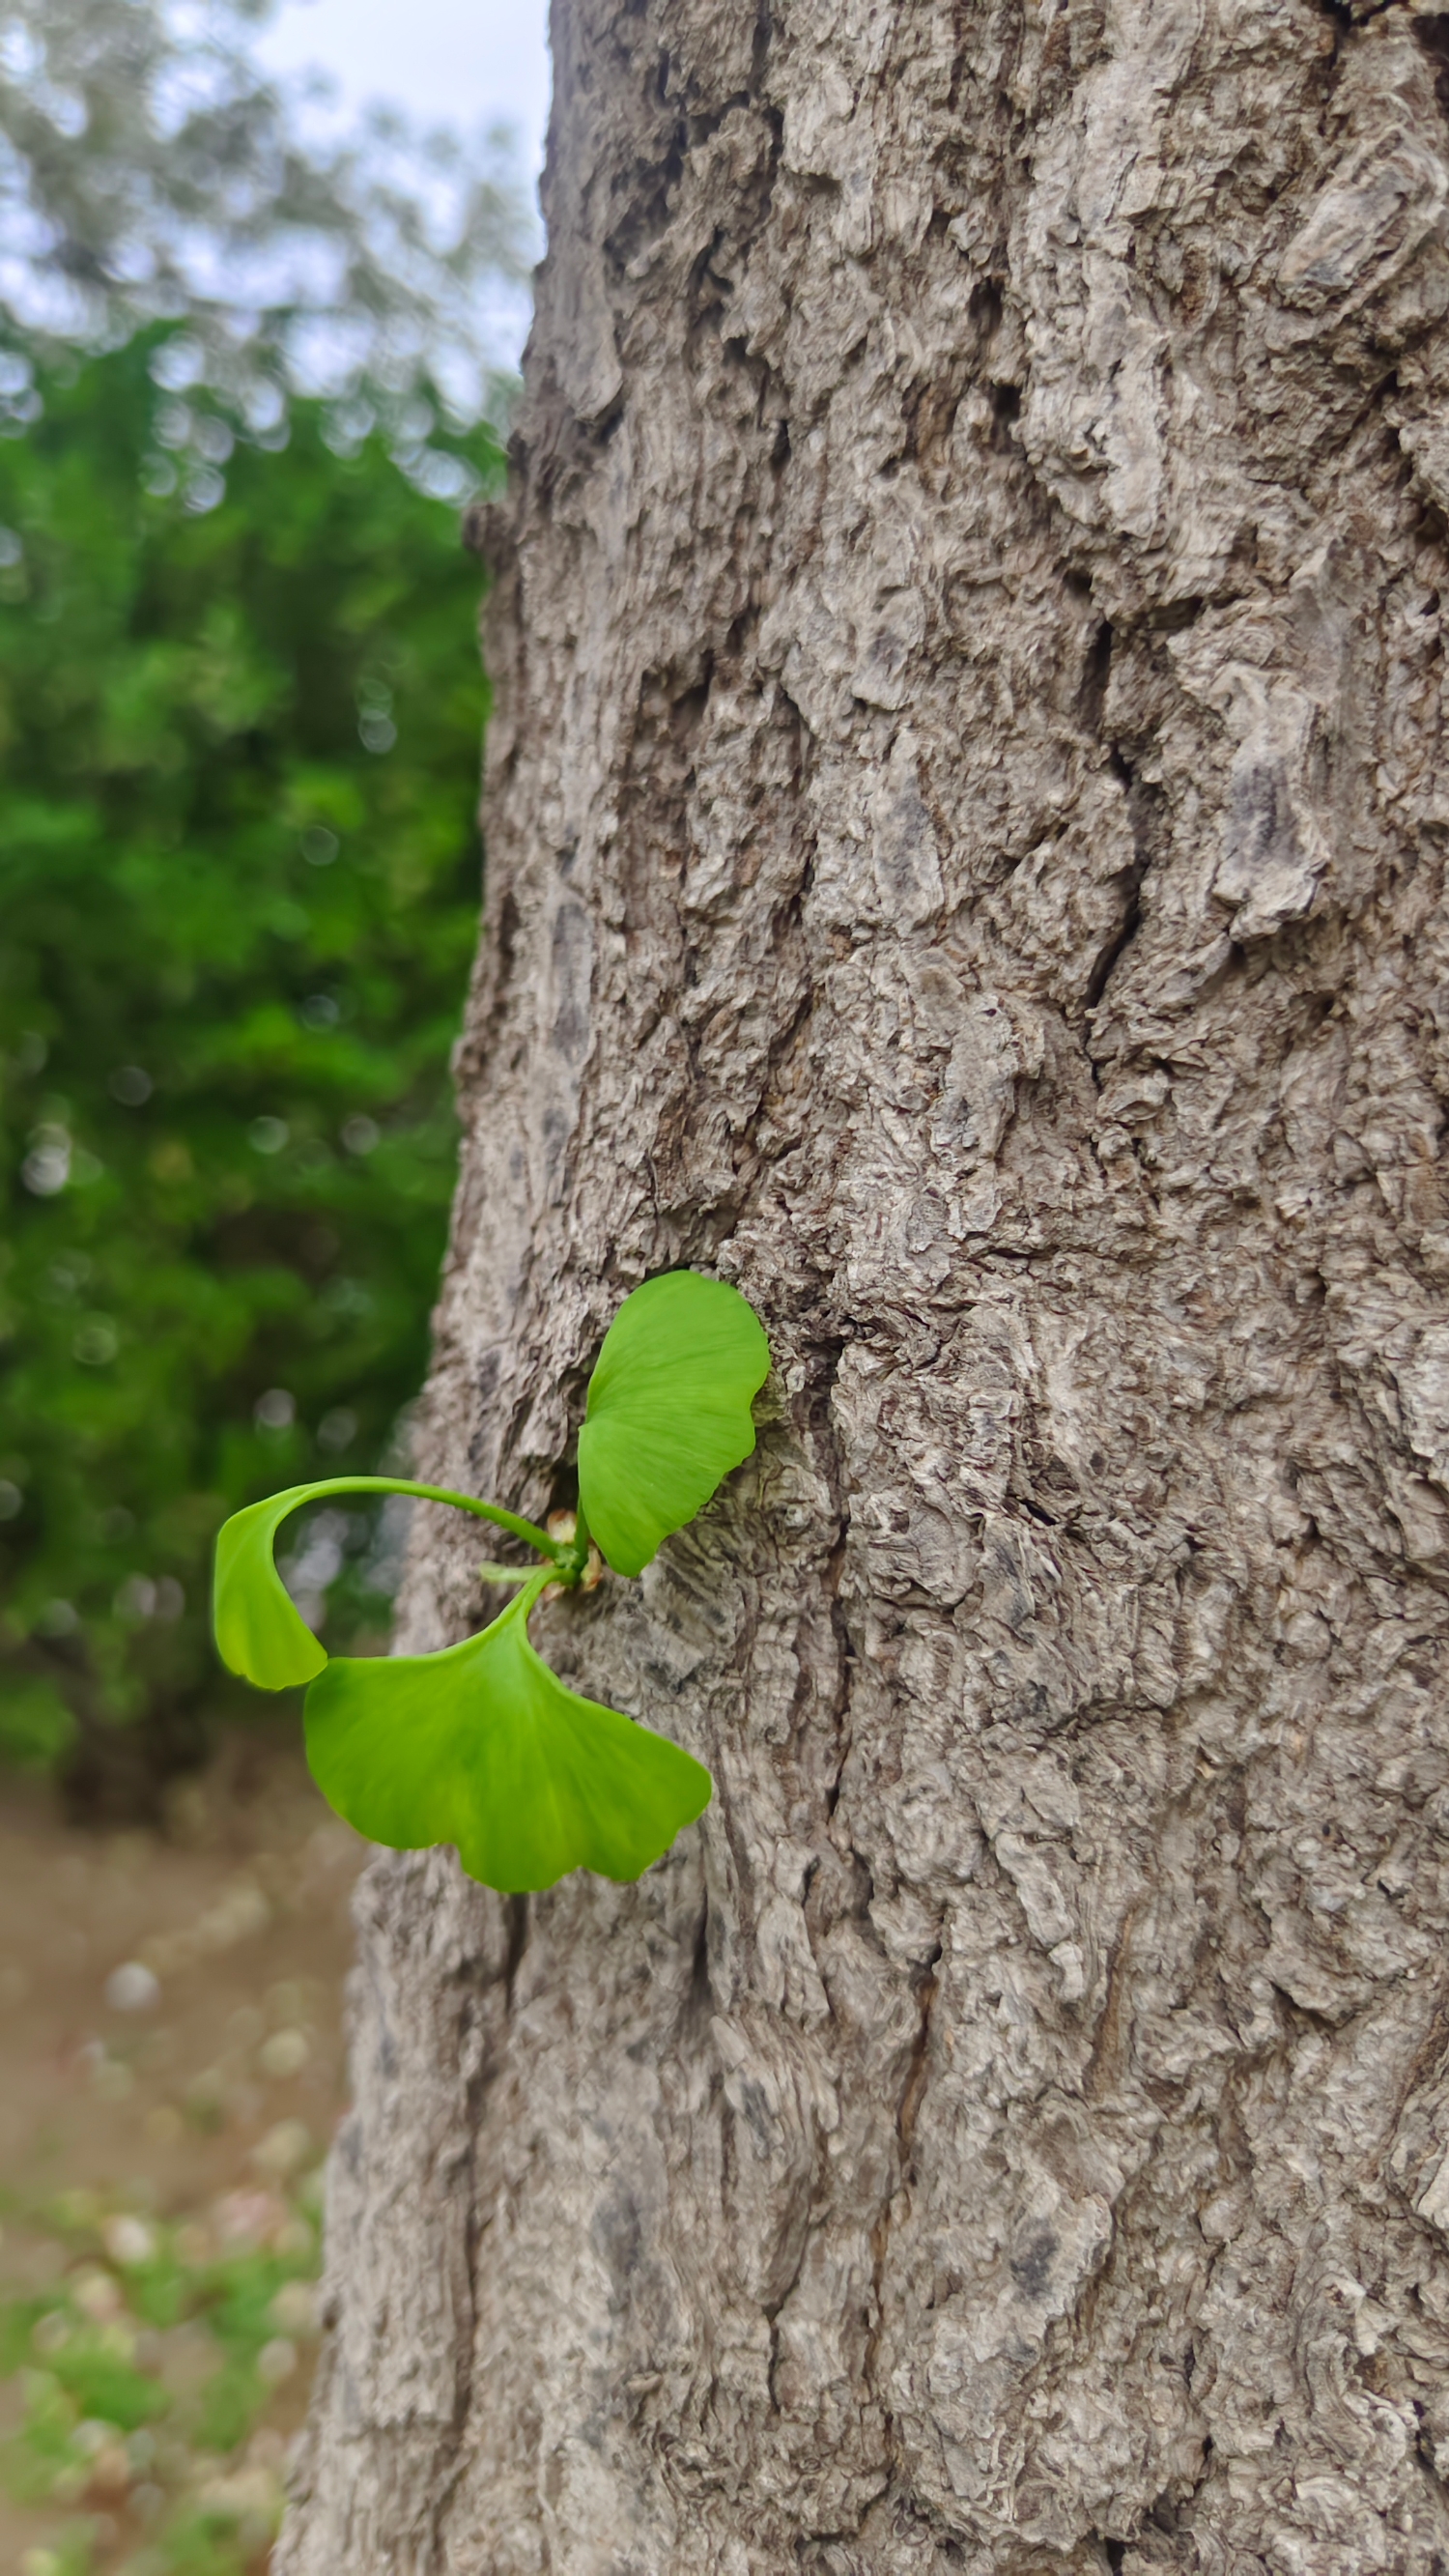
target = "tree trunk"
x: 966, y: 834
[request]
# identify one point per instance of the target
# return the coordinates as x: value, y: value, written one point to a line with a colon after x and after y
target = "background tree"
x: 967, y: 843
x: 150, y: 171
x: 240, y: 371
x: 239, y: 706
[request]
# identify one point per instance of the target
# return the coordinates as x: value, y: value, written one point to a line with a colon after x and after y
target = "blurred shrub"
x: 240, y: 709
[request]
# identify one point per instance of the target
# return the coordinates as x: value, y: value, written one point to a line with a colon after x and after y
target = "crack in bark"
x: 907, y: 2113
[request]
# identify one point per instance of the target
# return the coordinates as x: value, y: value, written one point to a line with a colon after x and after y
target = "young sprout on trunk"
x: 481, y: 1745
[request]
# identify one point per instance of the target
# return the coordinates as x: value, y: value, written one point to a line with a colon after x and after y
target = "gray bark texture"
x: 967, y: 821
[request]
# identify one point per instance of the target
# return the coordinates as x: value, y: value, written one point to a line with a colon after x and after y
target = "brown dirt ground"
x: 240, y: 1909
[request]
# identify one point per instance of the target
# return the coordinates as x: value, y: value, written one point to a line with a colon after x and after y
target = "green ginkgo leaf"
x: 483, y: 1747
x: 260, y: 1633
x: 668, y: 1411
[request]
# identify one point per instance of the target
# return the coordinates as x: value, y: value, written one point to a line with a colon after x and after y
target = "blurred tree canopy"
x: 240, y: 707
x: 149, y: 170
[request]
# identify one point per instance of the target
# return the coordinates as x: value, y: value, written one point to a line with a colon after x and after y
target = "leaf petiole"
x: 521, y: 1608
x: 517, y: 1527
x: 570, y: 1559
x: 582, y: 1540
x: 259, y: 1629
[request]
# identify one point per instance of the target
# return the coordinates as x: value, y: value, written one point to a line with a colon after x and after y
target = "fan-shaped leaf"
x: 260, y: 1634
x: 481, y: 1746
x: 668, y: 1411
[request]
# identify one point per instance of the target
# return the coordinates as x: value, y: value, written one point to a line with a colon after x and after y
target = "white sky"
x: 457, y: 62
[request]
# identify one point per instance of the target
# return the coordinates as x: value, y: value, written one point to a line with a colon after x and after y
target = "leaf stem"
x: 521, y: 1606
x: 528, y: 1531
x: 582, y: 1535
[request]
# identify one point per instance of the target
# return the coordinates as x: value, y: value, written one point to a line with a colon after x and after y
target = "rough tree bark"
x: 967, y: 837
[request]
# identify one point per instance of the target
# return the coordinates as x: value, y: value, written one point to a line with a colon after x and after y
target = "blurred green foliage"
x: 240, y: 711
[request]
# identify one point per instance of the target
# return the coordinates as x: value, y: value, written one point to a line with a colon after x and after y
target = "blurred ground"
x: 170, y: 2073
